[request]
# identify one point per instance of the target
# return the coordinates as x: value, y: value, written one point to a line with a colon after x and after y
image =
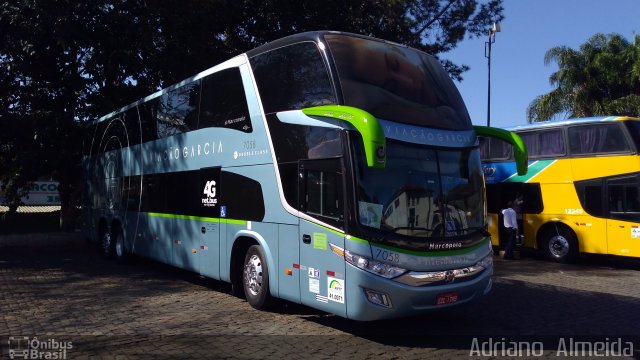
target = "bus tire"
x: 255, y: 277
x: 108, y: 245
x: 120, y: 251
x: 560, y: 244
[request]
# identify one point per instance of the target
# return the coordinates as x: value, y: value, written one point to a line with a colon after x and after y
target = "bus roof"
x: 315, y: 36
x: 572, y: 121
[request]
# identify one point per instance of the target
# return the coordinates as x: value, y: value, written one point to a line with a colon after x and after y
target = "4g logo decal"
x: 210, y: 192
x: 210, y: 189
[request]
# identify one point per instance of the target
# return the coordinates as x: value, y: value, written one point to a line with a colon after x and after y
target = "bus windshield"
x: 397, y: 83
x: 422, y: 192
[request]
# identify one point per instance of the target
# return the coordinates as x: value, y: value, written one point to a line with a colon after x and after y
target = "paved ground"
x: 57, y: 289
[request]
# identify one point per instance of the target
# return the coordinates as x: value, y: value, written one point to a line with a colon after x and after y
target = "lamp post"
x: 487, y: 53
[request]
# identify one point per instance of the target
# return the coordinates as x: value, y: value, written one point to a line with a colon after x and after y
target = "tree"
x: 601, y: 78
x: 63, y: 62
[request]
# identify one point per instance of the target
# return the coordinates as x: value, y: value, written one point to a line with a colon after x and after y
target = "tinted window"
x: 597, y: 139
x: 289, y: 179
x: 177, y: 110
x: 590, y: 193
x: 494, y: 149
x: 633, y: 126
x: 242, y: 197
x: 293, y: 143
x: 321, y: 194
x: 224, y: 103
x: 292, y: 77
x: 148, y: 124
x: 624, y: 198
x: 499, y: 194
x: 133, y: 126
x: 397, y: 83
x: 299, y: 142
x: 544, y: 143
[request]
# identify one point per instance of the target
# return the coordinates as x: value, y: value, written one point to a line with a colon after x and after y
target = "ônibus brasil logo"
x: 210, y: 192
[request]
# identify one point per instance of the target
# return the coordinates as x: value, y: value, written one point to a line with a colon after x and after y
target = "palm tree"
x: 601, y: 78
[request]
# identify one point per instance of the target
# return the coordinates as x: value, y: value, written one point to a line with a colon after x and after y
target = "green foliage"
x: 65, y: 62
x: 601, y: 78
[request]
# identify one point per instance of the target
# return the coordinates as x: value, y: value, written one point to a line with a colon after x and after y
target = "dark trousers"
x: 511, y: 242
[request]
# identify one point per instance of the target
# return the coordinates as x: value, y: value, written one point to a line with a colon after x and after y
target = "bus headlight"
x: 373, y: 266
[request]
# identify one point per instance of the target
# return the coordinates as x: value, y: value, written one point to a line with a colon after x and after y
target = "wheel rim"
x: 558, y: 246
x: 253, y: 275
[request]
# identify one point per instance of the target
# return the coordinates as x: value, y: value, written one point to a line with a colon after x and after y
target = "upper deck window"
x: 544, y: 143
x: 597, y: 139
x: 494, y: 149
x: 292, y: 77
x: 224, y: 103
x: 397, y: 83
x: 633, y: 127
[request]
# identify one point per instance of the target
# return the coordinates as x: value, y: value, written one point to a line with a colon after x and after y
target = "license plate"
x: 446, y: 298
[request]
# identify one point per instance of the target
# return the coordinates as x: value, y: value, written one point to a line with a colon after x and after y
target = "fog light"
x: 378, y: 298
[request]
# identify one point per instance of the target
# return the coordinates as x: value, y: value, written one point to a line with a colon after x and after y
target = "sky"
x: 530, y: 28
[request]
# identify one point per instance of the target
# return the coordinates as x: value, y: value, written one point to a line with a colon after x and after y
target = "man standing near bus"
x: 511, y: 227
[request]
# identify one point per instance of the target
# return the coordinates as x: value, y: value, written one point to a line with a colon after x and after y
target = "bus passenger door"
x: 623, y: 220
x: 207, y: 227
x: 322, y: 270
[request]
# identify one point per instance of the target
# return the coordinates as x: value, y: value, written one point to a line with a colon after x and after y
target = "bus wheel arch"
x: 236, y: 265
x: 558, y: 242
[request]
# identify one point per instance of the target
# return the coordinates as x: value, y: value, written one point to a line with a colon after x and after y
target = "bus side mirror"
x: 519, y: 148
x: 366, y: 124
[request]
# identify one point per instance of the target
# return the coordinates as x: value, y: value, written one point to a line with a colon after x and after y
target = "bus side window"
x: 590, y: 193
x: 224, y: 103
x: 178, y: 110
x: 624, y: 201
x: 321, y: 190
x: 544, y: 143
x: 494, y: 149
x: 292, y: 77
x: 597, y: 139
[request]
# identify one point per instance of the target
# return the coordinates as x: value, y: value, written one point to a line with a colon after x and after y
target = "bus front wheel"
x: 560, y: 244
x: 120, y: 251
x: 255, y: 277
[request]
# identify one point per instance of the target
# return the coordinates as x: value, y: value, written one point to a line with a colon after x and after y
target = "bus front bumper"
x: 374, y: 298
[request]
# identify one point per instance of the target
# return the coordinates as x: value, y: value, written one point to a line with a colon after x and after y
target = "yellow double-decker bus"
x: 581, y: 193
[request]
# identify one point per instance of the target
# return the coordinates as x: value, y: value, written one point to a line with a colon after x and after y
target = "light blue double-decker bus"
x: 328, y: 169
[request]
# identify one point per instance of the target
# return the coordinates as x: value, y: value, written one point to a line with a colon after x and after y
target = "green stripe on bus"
x: 198, y: 218
x: 534, y: 169
x: 233, y: 221
x: 356, y: 239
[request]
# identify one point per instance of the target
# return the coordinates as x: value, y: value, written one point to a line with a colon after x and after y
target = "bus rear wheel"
x: 255, y: 277
x: 108, y: 245
x: 560, y: 244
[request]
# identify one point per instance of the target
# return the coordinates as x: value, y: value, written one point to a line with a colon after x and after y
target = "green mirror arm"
x: 366, y: 124
x: 519, y: 147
